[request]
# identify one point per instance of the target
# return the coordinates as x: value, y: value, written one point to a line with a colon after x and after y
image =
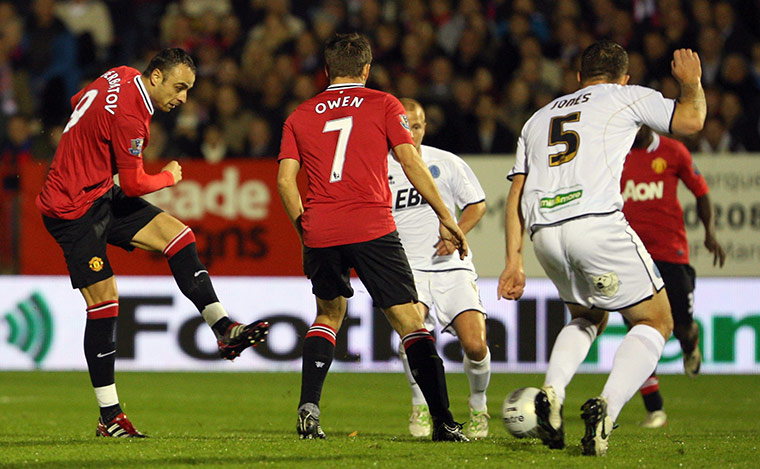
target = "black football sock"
x: 318, y: 352
x: 192, y: 277
x: 109, y: 413
x: 100, y: 350
x: 221, y: 326
x: 427, y: 370
x: 650, y: 391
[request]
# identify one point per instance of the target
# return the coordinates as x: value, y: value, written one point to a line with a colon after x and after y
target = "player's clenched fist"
x: 686, y: 66
x: 176, y: 170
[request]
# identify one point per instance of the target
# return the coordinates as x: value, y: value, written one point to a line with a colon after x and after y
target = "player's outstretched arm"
x: 705, y: 213
x: 135, y: 182
x: 420, y: 177
x: 512, y: 279
x: 287, y: 185
x: 691, y: 107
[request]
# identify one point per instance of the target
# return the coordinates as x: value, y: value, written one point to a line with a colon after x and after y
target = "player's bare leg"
x: 177, y: 242
x: 635, y: 360
x: 100, y: 352
x: 470, y: 327
x: 427, y: 367
x: 318, y: 352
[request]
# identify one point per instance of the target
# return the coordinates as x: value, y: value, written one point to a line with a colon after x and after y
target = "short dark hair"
x: 347, y: 54
x: 604, y: 59
x: 168, y: 59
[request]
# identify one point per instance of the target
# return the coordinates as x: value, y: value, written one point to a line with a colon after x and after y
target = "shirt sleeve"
x: 396, y: 123
x: 650, y: 107
x: 128, y: 134
x: 467, y: 188
x: 689, y: 174
x: 288, y: 144
x: 521, y: 162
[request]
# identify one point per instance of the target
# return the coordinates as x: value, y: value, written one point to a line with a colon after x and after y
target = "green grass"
x: 47, y: 419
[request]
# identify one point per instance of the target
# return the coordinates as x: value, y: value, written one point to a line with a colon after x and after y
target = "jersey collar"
x: 655, y: 143
x: 144, y: 94
x: 344, y: 86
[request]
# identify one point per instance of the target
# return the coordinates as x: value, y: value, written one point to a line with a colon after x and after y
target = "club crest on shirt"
x: 136, y: 146
x: 435, y: 171
x: 659, y: 165
x: 606, y: 284
x: 405, y: 122
x: 96, y: 264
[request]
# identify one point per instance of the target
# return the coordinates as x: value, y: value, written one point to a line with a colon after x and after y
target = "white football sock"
x: 635, y: 360
x: 570, y: 349
x: 479, y: 374
x: 106, y: 395
x: 417, y: 397
x: 213, y: 312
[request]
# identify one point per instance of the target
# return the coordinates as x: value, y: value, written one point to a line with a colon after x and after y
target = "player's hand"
x: 686, y: 67
x: 176, y: 170
x: 719, y: 255
x: 450, y: 231
x: 511, y: 283
x: 444, y: 248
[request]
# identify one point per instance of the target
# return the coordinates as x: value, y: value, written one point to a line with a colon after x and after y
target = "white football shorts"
x: 447, y: 294
x: 597, y: 261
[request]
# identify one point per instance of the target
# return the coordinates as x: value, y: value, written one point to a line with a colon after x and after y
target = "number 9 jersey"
x: 572, y: 150
x: 107, y: 131
x: 342, y: 137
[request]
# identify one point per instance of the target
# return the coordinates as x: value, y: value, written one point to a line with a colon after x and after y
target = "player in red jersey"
x: 649, y: 185
x: 342, y: 137
x: 84, y: 211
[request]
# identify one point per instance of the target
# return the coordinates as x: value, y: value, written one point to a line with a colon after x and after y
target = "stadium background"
x: 480, y: 68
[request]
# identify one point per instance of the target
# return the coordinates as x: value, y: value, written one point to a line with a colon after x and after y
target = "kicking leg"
x: 177, y: 242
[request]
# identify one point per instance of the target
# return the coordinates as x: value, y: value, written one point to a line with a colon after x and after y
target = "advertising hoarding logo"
x: 31, y: 327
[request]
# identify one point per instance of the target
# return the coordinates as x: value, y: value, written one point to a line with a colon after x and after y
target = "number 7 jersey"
x: 572, y: 150
x: 342, y: 137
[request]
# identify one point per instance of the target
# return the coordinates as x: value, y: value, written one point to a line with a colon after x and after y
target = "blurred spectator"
x: 709, y: 49
x: 491, y: 136
x: 16, y: 149
x: 736, y: 37
x: 716, y: 139
x: 50, y: 56
x: 214, y: 146
x: 259, y: 142
x: 231, y: 119
x: 90, y: 22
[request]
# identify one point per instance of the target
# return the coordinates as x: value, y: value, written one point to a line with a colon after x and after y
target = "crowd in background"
x: 480, y: 67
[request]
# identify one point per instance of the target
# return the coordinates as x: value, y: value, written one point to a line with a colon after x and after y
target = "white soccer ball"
x: 519, y: 413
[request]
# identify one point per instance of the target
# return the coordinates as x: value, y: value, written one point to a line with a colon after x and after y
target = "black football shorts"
x: 113, y: 219
x: 381, y: 265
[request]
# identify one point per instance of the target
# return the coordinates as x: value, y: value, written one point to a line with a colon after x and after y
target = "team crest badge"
x: 136, y: 146
x: 606, y: 284
x: 405, y: 122
x: 96, y: 264
x: 659, y: 165
x: 435, y: 171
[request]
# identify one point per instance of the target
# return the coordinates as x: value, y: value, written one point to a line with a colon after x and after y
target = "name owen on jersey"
x: 340, y: 101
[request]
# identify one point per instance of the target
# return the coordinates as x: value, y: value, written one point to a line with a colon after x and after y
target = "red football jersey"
x: 107, y: 131
x: 342, y: 137
x: 649, y: 184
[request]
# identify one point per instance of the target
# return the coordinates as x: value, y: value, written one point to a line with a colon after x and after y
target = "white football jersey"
x: 416, y: 221
x: 572, y: 150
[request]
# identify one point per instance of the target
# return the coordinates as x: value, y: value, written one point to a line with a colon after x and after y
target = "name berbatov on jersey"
x: 112, y: 93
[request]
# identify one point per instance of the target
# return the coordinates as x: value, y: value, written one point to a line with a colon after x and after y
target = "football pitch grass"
x: 48, y: 419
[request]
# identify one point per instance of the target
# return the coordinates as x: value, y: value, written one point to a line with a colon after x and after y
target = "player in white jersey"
x: 443, y: 280
x: 566, y: 191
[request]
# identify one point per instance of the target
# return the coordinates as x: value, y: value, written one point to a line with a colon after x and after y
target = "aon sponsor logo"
x: 642, y: 191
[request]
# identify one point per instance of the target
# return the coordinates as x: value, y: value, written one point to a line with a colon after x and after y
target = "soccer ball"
x: 519, y: 413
